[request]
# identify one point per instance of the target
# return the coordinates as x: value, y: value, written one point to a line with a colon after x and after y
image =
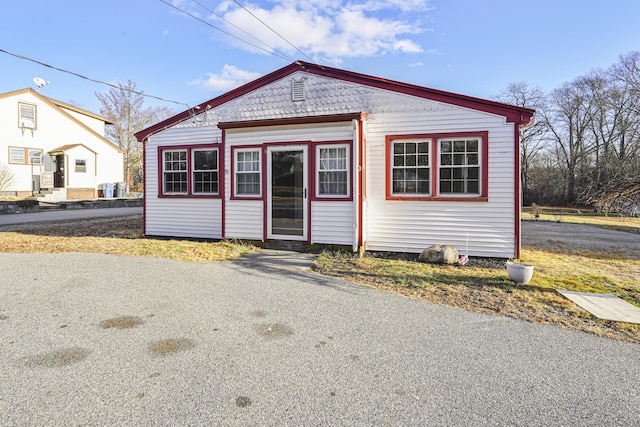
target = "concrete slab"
x: 605, y: 306
x: 278, y: 259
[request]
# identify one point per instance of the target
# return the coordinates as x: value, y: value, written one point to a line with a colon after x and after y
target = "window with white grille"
x: 332, y: 166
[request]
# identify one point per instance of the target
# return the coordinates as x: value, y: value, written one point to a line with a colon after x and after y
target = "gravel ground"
x: 90, y: 339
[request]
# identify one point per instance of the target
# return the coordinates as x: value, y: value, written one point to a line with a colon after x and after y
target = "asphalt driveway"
x: 110, y: 340
x: 67, y: 214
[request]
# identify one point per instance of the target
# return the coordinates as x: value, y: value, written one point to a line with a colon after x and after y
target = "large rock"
x: 440, y: 254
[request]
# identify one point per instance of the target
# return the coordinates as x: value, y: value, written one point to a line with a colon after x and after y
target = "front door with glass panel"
x: 287, y: 192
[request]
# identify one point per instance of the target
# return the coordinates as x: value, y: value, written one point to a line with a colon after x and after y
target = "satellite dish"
x: 40, y: 82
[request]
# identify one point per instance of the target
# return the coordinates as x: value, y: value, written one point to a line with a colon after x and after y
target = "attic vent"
x: 297, y: 90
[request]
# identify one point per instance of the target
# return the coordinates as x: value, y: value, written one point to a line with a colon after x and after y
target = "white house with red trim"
x: 329, y: 156
x: 54, y: 148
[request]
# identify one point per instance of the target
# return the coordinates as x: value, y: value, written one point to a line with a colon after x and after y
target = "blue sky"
x: 471, y: 47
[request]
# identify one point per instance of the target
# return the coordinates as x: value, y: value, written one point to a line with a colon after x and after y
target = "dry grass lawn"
x: 483, y: 288
x: 120, y: 236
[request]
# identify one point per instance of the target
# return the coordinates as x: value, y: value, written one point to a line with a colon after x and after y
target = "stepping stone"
x: 605, y: 306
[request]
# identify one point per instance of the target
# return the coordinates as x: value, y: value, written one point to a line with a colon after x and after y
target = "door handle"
x: 305, y: 193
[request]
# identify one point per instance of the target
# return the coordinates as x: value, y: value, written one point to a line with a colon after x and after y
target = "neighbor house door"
x: 58, y: 173
x: 287, y: 192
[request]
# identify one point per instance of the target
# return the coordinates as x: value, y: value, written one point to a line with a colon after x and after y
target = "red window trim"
x: 189, y: 148
x: 435, y: 163
x: 260, y: 148
x: 314, y: 172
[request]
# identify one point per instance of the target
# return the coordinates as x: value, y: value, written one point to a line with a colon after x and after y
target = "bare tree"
x: 585, y: 146
x: 6, y: 177
x: 531, y: 137
x: 124, y: 107
x: 568, y: 120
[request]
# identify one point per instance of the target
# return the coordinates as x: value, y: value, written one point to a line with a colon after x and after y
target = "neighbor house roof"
x: 61, y: 107
x: 512, y: 113
x: 69, y: 147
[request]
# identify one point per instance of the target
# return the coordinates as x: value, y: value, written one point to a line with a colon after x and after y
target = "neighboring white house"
x: 51, y: 145
x: 329, y: 156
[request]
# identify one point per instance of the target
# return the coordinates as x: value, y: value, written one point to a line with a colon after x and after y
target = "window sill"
x: 256, y: 197
x: 189, y: 196
x: 474, y: 199
x: 332, y: 199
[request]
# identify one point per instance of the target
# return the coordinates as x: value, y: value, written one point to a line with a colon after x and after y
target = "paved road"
x: 554, y: 235
x: 66, y: 214
x: 230, y: 344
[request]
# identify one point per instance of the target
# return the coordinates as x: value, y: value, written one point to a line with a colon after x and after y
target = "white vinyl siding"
x: 180, y: 217
x: 412, y: 226
x: 245, y: 218
x: 332, y: 223
x: 191, y: 217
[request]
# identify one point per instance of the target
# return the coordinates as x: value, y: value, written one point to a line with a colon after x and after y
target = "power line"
x: 231, y: 23
x: 90, y: 79
x: 272, y: 51
x: 274, y: 31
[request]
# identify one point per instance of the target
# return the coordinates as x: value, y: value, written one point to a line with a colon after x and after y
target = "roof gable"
x: 511, y: 113
x: 56, y: 103
x: 62, y: 108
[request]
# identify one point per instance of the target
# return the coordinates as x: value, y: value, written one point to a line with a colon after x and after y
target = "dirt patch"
x: 171, y: 346
x: 274, y: 330
x: 243, y: 402
x: 57, y: 359
x: 259, y: 313
x: 472, y: 262
x: 124, y: 322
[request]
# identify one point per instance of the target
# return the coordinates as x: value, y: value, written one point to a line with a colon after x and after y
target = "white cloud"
x: 331, y: 29
x: 230, y: 77
x: 416, y: 64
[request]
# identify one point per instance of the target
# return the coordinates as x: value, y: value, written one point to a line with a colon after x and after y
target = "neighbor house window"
x: 438, y: 166
x: 459, y: 170
x: 190, y: 171
x: 17, y: 156
x: 247, y: 172
x: 35, y: 156
x: 205, y: 171
x: 332, y: 166
x: 24, y: 156
x: 175, y: 172
x: 411, y: 169
x: 81, y: 165
x: 26, y: 116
